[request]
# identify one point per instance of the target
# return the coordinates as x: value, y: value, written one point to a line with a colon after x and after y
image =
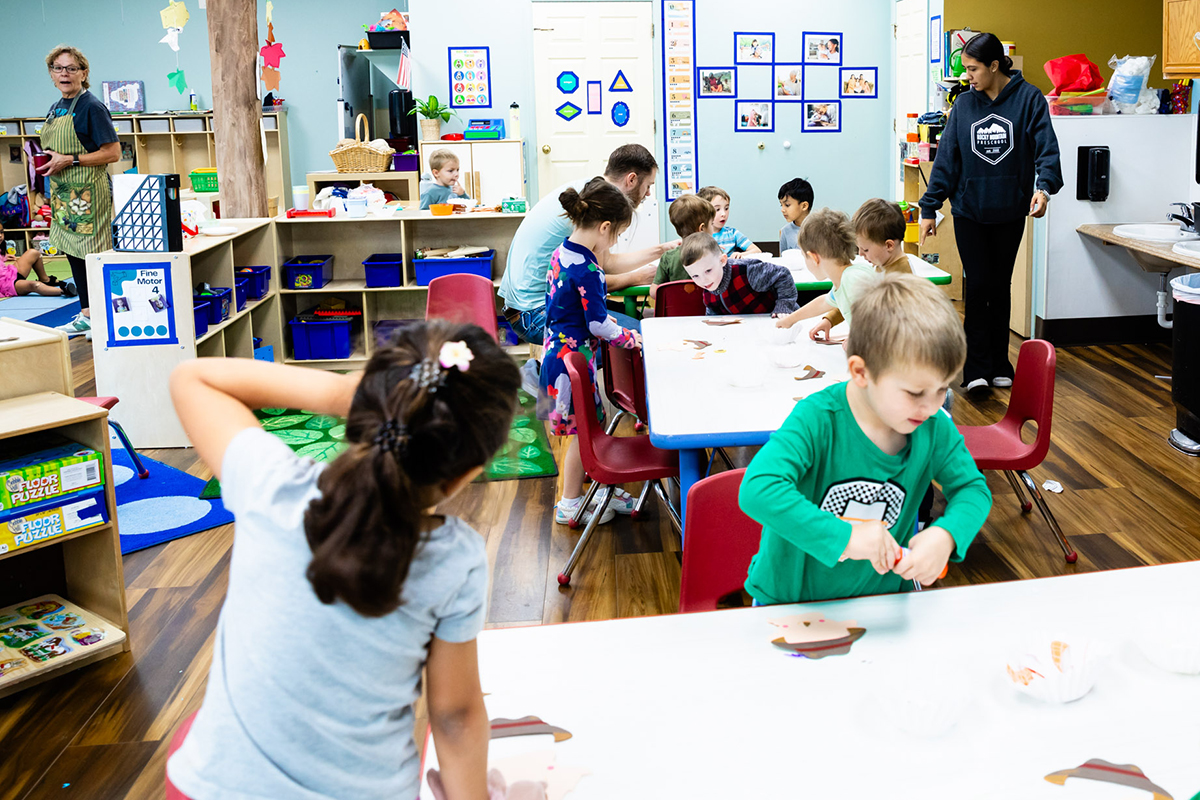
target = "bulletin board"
x: 137, y: 298
x: 679, y: 97
x: 470, y: 77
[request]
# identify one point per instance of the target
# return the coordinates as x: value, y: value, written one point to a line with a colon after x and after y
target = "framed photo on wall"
x: 716, y: 82
x: 858, y: 82
x: 823, y: 48
x: 788, y: 86
x: 822, y: 116
x: 753, y: 48
x: 754, y: 115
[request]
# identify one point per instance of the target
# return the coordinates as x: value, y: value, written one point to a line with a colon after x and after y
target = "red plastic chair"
x: 181, y: 733
x: 611, y: 460
x: 721, y: 540
x: 463, y: 298
x: 679, y: 299
x: 625, y: 384
x: 108, y: 403
x: 999, y: 446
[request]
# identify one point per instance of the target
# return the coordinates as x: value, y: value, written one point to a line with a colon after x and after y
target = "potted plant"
x: 435, y: 114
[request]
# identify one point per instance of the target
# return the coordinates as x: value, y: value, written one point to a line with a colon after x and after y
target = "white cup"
x: 300, y: 198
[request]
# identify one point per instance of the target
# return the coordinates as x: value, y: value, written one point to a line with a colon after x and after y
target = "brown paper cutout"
x: 526, y: 726
x: 270, y: 79
x: 830, y: 341
x: 813, y: 372
x: 720, y: 321
x: 814, y: 636
x: 1097, y: 769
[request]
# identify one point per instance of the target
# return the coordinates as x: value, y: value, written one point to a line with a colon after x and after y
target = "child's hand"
x: 872, y: 541
x: 928, y: 553
x: 783, y: 322
x: 457, y: 189
x: 823, y: 328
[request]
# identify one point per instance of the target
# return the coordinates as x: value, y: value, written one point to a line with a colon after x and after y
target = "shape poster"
x: 139, y: 308
x: 470, y: 77
x: 679, y: 100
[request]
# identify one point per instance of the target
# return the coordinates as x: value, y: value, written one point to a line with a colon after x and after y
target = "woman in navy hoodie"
x: 998, y: 144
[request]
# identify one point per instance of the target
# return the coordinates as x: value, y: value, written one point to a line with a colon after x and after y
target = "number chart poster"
x: 138, y: 303
x: 679, y: 98
x: 470, y: 77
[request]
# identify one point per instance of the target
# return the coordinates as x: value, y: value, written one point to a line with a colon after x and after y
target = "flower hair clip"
x: 431, y: 375
x: 456, y: 354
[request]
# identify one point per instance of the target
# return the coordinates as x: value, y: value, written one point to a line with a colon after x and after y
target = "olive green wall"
x: 1046, y: 29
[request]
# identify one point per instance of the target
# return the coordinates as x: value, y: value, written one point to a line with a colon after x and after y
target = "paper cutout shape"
x: 177, y: 80
x: 526, y: 726
x: 171, y: 39
x: 271, y: 54
x: 270, y: 33
x: 568, y: 111
x: 1097, y: 769
x: 1059, y: 673
x: 814, y: 636
x: 830, y: 341
x: 595, y: 97
x: 721, y: 321
x: 813, y: 372
x: 567, y: 82
x: 270, y: 11
x: 699, y: 344
x: 175, y: 15
x: 620, y: 114
x: 560, y: 779
x: 620, y: 83
x: 270, y: 79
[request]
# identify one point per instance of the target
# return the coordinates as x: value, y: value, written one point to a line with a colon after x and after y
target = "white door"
x: 577, y: 44
x: 912, y: 70
x: 497, y: 171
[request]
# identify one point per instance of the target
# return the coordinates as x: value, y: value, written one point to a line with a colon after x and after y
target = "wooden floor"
x: 102, y: 732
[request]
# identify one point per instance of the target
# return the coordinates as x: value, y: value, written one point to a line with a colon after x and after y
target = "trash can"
x: 1185, y: 373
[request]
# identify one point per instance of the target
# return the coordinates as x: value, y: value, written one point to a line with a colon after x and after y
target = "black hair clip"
x: 392, y: 437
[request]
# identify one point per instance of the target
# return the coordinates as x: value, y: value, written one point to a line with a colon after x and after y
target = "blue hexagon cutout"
x: 568, y: 82
x: 568, y: 111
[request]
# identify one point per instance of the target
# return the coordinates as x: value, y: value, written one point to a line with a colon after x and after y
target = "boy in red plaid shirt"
x: 737, y: 285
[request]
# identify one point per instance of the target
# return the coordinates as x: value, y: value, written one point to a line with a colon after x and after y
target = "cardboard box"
x: 49, y: 519
x: 49, y: 467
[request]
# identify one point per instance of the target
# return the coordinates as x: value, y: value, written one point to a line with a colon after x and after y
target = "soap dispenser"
x: 1091, y: 181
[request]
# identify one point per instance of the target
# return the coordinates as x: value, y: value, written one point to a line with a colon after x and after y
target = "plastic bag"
x: 1186, y: 288
x: 1074, y: 73
x: 1128, y: 81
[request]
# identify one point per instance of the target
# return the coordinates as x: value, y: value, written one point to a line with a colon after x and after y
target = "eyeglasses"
x: 60, y: 69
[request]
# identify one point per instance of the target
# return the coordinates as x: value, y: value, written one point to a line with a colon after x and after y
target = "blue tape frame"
x: 841, y: 37
x: 106, y: 274
x: 559, y: 111
x: 764, y: 62
x: 613, y: 113
x: 612, y: 87
x: 774, y: 87
x: 737, y: 117
x: 450, y: 75
x: 936, y: 39
x: 842, y: 83
x: 701, y: 96
x: 668, y: 192
x: 600, y: 101
x: 804, y: 127
x: 559, y: 81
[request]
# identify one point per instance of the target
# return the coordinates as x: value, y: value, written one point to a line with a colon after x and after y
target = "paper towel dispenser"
x: 1091, y: 181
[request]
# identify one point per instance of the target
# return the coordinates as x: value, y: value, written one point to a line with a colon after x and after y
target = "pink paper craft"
x: 271, y: 54
x: 540, y: 766
x: 813, y: 636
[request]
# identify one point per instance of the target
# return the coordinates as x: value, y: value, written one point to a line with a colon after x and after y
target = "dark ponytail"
x: 599, y: 202
x: 413, y: 425
x: 987, y: 48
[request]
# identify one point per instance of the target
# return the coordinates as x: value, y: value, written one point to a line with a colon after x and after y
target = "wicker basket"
x: 360, y: 157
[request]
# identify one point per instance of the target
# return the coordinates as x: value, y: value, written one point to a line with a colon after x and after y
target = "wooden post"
x: 237, y: 111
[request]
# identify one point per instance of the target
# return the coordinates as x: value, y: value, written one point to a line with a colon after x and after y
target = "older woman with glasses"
x: 80, y: 139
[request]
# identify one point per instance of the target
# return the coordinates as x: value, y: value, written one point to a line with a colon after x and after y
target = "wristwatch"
x: 75, y: 160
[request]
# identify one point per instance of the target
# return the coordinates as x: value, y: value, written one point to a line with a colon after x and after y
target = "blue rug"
x: 59, y: 316
x: 33, y: 308
x: 162, y: 507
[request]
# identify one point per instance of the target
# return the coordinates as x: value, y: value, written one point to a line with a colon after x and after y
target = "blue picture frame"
x: 737, y: 116
x: 172, y: 337
x: 811, y: 61
x: 737, y: 49
x: 843, y: 71
x: 787, y: 65
x: 835, y: 127
x: 699, y: 76
x: 487, y: 51
x: 936, y: 39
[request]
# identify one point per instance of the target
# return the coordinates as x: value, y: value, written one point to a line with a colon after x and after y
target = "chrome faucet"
x: 1186, y: 220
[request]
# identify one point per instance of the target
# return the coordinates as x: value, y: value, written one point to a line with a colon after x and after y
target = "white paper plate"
x: 218, y: 230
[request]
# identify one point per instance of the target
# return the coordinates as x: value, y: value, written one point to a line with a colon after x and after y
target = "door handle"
x: 546, y: 149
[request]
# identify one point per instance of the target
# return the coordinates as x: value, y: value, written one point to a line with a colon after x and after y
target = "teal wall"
x: 120, y: 39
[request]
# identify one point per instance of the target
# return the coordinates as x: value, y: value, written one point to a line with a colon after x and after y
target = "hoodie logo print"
x: 992, y: 138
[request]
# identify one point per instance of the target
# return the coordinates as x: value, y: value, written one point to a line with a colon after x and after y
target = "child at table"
x: 737, y: 285
x: 838, y: 485
x: 828, y: 242
x: 383, y: 586
x: 732, y: 241
x: 577, y: 320
x: 689, y: 214
x: 795, y: 203
x: 444, y: 185
x: 879, y: 236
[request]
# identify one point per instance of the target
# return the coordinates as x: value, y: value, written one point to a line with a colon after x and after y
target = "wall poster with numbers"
x: 679, y: 97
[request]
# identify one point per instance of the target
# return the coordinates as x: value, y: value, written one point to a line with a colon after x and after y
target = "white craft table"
x: 715, y: 711
x: 693, y: 404
x: 806, y: 281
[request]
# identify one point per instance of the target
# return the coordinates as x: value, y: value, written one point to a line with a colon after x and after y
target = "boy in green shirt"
x: 689, y: 214
x: 838, y: 485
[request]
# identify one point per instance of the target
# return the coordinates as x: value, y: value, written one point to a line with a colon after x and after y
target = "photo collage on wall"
x: 756, y: 114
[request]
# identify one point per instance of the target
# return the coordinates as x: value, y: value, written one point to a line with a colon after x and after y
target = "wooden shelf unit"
x: 1181, y: 23
x: 405, y: 185
x: 84, y: 567
x: 490, y: 170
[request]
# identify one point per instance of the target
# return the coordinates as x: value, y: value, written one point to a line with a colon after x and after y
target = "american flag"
x: 405, y: 74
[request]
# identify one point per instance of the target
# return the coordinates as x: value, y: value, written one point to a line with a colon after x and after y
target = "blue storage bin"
x: 240, y: 287
x: 383, y: 269
x: 308, y: 272
x: 429, y: 268
x: 260, y: 281
x: 325, y: 338
x: 200, y: 310
x: 219, y: 300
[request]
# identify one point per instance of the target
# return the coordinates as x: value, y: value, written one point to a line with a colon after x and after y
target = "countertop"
x: 1157, y: 249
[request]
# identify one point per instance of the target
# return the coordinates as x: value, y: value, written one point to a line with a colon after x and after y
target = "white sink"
x: 1187, y: 249
x: 1155, y: 232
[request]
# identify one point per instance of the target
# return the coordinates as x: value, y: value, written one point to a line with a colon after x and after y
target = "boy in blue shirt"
x: 732, y: 241
x: 795, y: 202
x: 443, y: 165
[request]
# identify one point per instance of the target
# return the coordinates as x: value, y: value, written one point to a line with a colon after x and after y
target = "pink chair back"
x: 625, y: 379
x: 463, y: 298
x: 679, y: 299
x: 719, y: 541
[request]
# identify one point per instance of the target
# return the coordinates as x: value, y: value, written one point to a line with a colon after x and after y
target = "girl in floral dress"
x: 577, y: 320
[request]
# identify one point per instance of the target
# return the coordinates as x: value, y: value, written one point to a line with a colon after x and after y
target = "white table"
x: 702, y: 705
x: 693, y: 405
